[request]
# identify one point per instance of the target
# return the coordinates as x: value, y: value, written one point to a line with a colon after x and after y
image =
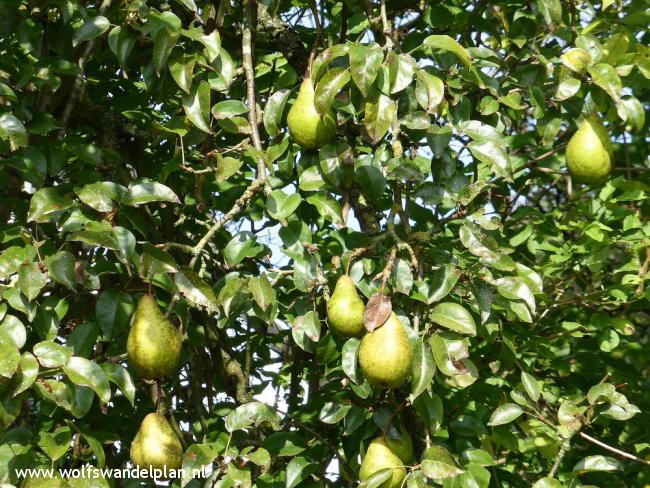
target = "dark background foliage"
x: 142, y: 148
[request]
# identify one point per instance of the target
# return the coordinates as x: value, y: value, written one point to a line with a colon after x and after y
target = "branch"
x: 247, y: 54
x: 77, y: 86
x: 560, y: 455
x: 613, y: 449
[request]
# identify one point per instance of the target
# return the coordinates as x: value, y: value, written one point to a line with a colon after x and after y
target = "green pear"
x: 345, y: 308
x: 156, y: 444
x: 378, y: 457
x: 385, y: 354
x: 306, y: 125
x: 402, y: 446
x: 154, y: 344
x: 589, y: 153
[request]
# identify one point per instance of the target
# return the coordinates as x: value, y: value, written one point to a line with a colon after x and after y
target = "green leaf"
x: 423, y: 368
x: 252, y: 414
x: 438, y: 463
x: 12, y: 328
x: 349, y: 359
x: 631, y: 111
x: 262, y: 291
x: 274, y: 110
x: 118, y: 375
x: 597, y: 463
x: 332, y: 413
x: 51, y: 354
x: 364, y: 65
x: 13, y: 130
x: 9, y: 359
x: 155, y: 260
x: 121, y: 43
x: 280, y: 206
x: 551, y: 10
x: 197, y: 106
x: 376, y: 479
x: 195, y: 290
x: 182, y: 70
x: 446, y: 43
x: 163, y: 43
x: 101, y: 195
x: 112, y: 312
x: 30, y: 280
x: 530, y: 385
x: 297, y: 470
x: 505, y: 414
x: 91, y: 29
x: 493, y: 155
x: 454, y: 317
x: 429, y: 90
x: 243, y: 245
x: 47, y: 204
x: 380, y: 114
x: 84, y: 372
x: 328, y: 87
x: 195, y: 457
x: 145, y: 191
x: 327, y: 207
x: 547, y: 483
x: 326, y: 57
x: 55, y: 444
x: 605, y: 76
x: 284, y: 444
x: 26, y: 374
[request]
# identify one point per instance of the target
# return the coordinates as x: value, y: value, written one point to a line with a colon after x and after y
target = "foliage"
x: 143, y: 146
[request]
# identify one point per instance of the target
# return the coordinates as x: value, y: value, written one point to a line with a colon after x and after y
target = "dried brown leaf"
x: 378, y: 310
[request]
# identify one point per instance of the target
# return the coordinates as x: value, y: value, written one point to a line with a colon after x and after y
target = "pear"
x: 156, y: 445
x: 385, y: 354
x: 345, y: 308
x: 306, y: 125
x: 402, y: 446
x: 589, y: 153
x: 52, y: 482
x: 154, y: 344
x: 378, y: 457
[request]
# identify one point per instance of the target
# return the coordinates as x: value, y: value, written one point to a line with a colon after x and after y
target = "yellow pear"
x: 156, y: 444
x: 345, y: 308
x: 306, y: 125
x: 154, y: 344
x: 378, y: 457
x: 589, y: 153
x: 385, y: 354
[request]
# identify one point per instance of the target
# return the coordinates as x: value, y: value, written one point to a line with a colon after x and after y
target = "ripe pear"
x: 589, y: 153
x: 345, y: 308
x: 156, y: 445
x: 378, y: 457
x: 154, y: 344
x: 306, y: 125
x: 385, y: 354
x: 402, y: 446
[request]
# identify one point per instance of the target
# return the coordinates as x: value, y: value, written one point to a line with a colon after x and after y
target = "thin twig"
x: 239, y: 205
x: 624, y: 454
